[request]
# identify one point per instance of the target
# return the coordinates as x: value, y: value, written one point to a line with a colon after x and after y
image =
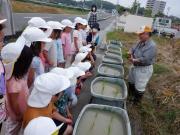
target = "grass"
x: 24, y: 7
x: 160, y: 69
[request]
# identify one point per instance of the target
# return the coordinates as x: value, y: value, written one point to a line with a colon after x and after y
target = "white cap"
x: 77, y: 71
x: 85, y: 22
x: 79, y: 57
x: 79, y: 20
x: 67, y: 23
x: 62, y: 71
x: 38, y: 22
x: 45, y: 86
x: 84, y: 66
x: 10, y: 54
x: 3, y: 21
x: 85, y: 49
x: 41, y: 126
x: 34, y: 34
x: 55, y: 25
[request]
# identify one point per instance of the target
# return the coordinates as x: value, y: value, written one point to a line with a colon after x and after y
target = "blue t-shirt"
x: 60, y: 56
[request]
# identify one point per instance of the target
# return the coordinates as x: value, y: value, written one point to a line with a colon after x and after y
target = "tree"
x: 159, y: 15
x: 148, y: 13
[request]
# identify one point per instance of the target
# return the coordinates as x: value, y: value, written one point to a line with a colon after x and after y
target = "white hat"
x: 41, y: 126
x: 85, y: 49
x: 85, y: 22
x: 62, y: 71
x: 55, y: 25
x: 45, y: 86
x: 10, y: 53
x: 79, y: 57
x: 67, y: 23
x: 38, y: 22
x: 77, y: 71
x: 79, y: 20
x: 34, y: 34
x: 84, y: 66
x: 3, y: 21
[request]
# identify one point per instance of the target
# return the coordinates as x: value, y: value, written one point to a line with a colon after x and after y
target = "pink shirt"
x: 66, y: 41
x: 17, y: 86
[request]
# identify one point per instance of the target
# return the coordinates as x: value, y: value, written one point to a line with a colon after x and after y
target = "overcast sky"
x: 173, y: 4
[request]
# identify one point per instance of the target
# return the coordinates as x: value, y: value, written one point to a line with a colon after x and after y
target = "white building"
x: 156, y: 6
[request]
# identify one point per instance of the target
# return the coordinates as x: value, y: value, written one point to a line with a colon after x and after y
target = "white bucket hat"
x: 34, y: 34
x: 62, y: 71
x: 10, y: 54
x: 67, y: 23
x: 3, y: 21
x: 38, y: 22
x: 45, y: 86
x: 77, y: 71
x: 85, y: 49
x: 79, y: 20
x: 84, y: 66
x: 42, y: 126
x: 85, y: 22
x: 79, y: 57
x: 55, y: 25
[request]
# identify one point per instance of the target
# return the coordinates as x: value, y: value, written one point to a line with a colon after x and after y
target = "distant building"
x: 156, y: 6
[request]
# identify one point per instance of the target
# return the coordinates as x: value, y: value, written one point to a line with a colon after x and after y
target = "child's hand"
x: 70, y: 116
x: 69, y: 121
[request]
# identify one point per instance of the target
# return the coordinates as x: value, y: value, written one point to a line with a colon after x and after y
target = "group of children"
x: 42, y: 73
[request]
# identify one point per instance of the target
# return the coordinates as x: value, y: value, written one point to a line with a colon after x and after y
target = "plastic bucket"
x: 112, y: 60
x: 105, y: 69
x: 102, y: 119
x: 109, y: 91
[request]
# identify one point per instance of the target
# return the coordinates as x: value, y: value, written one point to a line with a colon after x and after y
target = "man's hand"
x: 69, y: 121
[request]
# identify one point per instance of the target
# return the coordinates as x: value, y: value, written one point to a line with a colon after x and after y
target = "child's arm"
x: 15, y: 106
x: 76, y: 44
x: 59, y: 117
x: 30, y: 77
x: 68, y: 113
x: 45, y: 53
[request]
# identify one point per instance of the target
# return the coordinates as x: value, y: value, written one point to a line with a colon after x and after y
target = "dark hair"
x: 2, y: 26
x: 23, y: 63
x: 57, y: 32
x: 93, y: 6
x: 36, y: 48
x: 76, y: 27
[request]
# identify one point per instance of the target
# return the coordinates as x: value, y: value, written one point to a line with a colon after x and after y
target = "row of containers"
x: 106, y: 115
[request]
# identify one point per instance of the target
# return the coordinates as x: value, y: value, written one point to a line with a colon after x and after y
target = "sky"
x: 173, y: 4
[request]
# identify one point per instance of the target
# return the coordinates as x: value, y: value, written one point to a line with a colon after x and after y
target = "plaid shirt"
x: 92, y: 19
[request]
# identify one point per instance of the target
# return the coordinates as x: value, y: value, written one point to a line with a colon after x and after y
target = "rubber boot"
x: 138, y: 96
x: 131, y: 90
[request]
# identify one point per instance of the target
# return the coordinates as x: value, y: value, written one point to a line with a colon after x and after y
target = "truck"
x: 162, y: 26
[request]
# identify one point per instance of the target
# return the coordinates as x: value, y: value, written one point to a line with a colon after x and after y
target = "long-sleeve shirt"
x: 145, y: 52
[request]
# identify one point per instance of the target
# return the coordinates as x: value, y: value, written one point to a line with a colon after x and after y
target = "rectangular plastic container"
x: 115, y: 42
x: 104, y: 69
x: 114, y: 55
x: 111, y: 96
x: 112, y: 60
x: 113, y: 47
x: 114, y: 50
x: 101, y: 120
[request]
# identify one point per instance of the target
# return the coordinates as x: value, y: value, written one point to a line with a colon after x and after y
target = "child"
x: 2, y: 77
x: 66, y: 41
x: 77, y: 36
x: 17, y: 59
x: 35, y: 39
x: 50, y: 50
x: 46, y: 91
x: 84, y: 31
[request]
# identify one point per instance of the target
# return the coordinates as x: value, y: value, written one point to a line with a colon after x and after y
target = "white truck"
x: 163, y: 27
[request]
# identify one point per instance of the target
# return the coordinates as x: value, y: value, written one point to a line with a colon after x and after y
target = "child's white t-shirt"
x: 78, y: 35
